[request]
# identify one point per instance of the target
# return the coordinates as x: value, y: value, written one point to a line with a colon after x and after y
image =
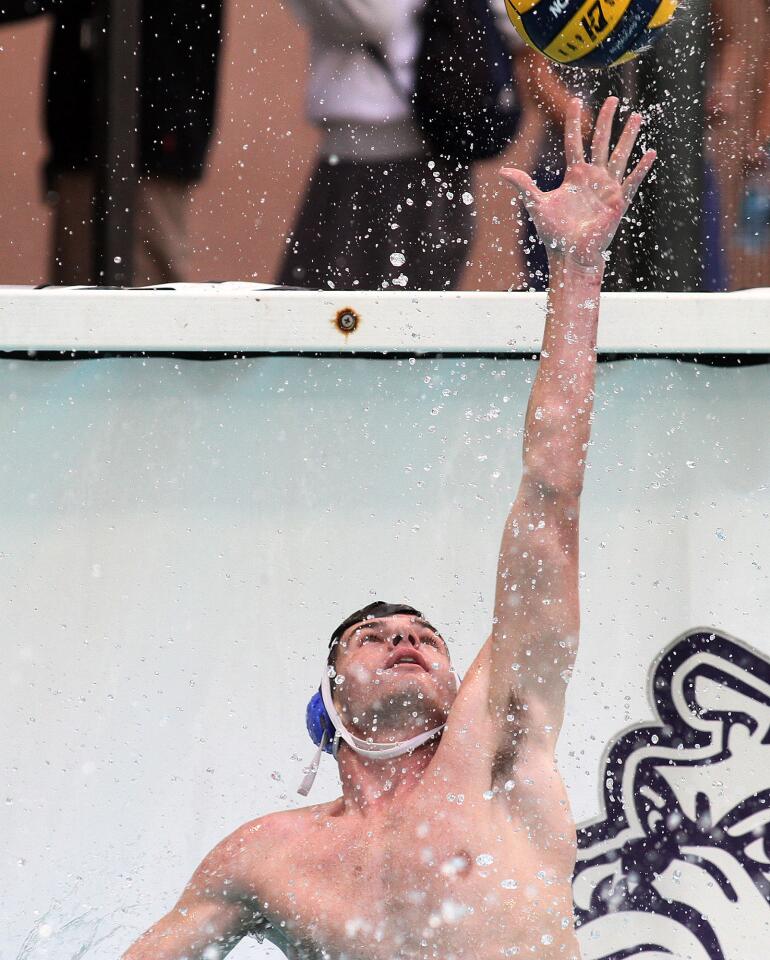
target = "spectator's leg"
x: 358, y: 219
x: 318, y: 237
x: 160, y: 228
x: 160, y: 250
x: 341, y: 238
x: 72, y: 230
x: 411, y: 222
x: 436, y: 230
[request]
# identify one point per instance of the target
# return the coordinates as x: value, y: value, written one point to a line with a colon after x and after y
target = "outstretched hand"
x: 580, y: 218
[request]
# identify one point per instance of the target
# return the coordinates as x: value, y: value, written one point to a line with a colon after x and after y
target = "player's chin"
x: 411, y: 675
x: 428, y: 693
x: 404, y: 678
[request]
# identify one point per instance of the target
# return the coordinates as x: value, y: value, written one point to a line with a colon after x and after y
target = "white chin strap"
x: 364, y: 748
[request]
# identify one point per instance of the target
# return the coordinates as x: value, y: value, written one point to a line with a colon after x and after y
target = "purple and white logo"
x: 678, y: 868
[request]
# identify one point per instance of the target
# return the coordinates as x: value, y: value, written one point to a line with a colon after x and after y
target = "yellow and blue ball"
x: 590, y: 33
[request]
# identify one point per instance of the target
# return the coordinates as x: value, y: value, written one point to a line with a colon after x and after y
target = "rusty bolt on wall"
x: 347, y: 320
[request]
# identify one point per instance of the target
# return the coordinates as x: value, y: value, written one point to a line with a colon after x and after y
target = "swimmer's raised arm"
x: 213, y: 914
x: 536, y: 619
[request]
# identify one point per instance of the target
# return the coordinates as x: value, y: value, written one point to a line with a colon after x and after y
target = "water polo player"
x: 452, y: 838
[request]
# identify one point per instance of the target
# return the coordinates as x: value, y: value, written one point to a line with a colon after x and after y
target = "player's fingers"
x: 619, y: 159
x: 525, y: 185
x: 600, y: 145
x: 636, y: 178
x: 574, y: 149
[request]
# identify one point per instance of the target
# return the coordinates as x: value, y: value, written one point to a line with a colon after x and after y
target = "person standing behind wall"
x: 738, y: 106
x: 378, y: 212
x: 179, y: 49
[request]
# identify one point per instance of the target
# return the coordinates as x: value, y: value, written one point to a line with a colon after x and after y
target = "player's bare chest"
x: 385, y: 883
x: 421, y: 842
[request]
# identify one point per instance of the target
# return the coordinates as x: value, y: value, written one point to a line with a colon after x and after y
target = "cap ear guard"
x: 319, y: 723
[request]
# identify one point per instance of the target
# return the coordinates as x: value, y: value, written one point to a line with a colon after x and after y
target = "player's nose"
x: 405, y: 638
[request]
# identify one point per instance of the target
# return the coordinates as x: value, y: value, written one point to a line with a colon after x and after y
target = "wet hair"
x: 377, y: 610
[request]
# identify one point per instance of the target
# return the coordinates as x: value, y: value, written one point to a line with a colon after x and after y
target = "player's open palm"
x: 581, y: 217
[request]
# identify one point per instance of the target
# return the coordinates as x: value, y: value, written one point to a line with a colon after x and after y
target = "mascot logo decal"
x: 678, y: 868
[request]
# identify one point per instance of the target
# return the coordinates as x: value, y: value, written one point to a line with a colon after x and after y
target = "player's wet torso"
x: 440, y: 874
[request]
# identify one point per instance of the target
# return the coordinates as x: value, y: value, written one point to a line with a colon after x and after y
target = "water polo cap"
x: 324, y: 723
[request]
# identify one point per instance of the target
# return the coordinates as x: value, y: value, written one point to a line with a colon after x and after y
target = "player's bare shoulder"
x: 240, y: 854
x: 253, y: 856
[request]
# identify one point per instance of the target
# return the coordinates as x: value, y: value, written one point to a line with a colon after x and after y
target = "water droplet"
x: 451, y: 911
x: 397, y: 259
x: 454, y: 866
x: 467, y: 198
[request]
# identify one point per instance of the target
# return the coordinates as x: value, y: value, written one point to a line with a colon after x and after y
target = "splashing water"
x: 66, y: 931
x: 70, y: 939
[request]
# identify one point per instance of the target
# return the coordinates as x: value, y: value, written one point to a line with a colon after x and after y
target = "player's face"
x: 395, y: 666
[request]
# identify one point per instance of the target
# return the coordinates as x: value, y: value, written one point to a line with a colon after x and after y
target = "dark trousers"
x: 373, y: 226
